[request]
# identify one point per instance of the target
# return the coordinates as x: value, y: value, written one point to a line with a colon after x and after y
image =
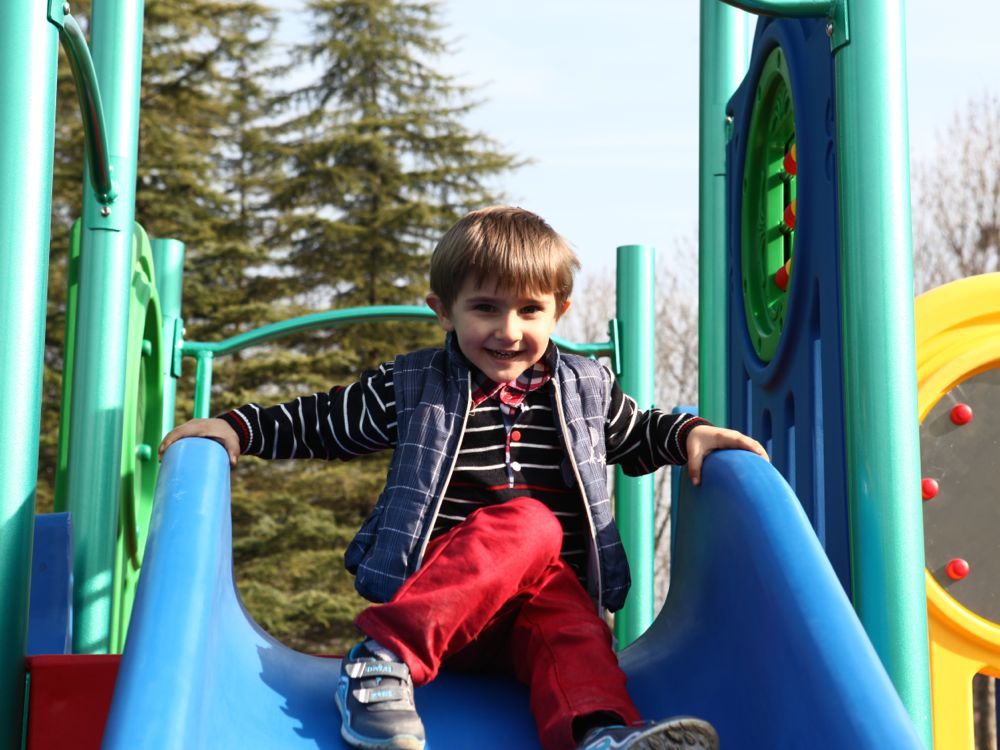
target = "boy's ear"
x: 434, y: 303
x: 565, y: 307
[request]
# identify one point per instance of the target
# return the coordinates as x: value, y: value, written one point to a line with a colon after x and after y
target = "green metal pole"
x: 28, y: 55
x: 883, y: 444
x: 636, y: 312
x: 93, y: 476
x: 168, y: 265
x: 725, y: 52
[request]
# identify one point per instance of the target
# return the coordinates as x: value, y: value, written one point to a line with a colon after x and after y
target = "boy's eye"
x: 484, y: 307
x: 531, y: 310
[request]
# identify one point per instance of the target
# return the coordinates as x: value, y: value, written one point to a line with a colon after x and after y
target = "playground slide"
x: 756, y: 635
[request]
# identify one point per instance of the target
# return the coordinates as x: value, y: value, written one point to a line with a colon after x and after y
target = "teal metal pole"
x: 203, y: 384
x: 28, y: 55
x: 168, y: 265
x: 725, y: 51
x: 883, y: 444
x: 634, y: 511
x: 106, y: 261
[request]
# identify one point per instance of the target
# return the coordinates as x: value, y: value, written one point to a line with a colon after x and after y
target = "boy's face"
x: 501, y: 332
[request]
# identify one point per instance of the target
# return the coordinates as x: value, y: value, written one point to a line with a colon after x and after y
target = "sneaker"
x: 683, y: 733
x: 375, y: 698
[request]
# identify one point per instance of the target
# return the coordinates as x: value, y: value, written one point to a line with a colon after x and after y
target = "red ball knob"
x: 790, y: 163
x: 929, y: 488
x: 961, y: 414
x: 781, y: 278
x: 957, y: 569
x: 789, y: 215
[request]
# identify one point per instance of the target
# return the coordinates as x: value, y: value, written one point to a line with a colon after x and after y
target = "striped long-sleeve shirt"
x: 500, y: 457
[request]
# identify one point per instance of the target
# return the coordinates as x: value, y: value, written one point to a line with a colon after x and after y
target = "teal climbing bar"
x: 168, y: 264
x: 879, y: 353
x: 725, y: 50
x: 634, y: 508
x: 106, y: 262
x: 28, y: 55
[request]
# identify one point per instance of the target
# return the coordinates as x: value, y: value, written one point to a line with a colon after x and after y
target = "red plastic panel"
x: 69, y: 700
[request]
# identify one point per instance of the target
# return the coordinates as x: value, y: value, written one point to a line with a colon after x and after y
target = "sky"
x: 602, y: 96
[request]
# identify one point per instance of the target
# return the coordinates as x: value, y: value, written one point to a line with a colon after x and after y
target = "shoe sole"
x: 353, y: 739
x: 681, y: 734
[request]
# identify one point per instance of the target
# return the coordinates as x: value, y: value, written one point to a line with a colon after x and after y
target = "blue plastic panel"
x: 794, y: 404
x: 50, y: 617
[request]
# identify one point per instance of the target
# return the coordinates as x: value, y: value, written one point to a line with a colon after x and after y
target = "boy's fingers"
x: 694, y: 468
x: 748, y: 443
x: 164, y: 444
x: 758, y: 449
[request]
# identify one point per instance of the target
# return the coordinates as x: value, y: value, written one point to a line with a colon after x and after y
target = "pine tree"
x: 200, y: 130
x: 379, y: 161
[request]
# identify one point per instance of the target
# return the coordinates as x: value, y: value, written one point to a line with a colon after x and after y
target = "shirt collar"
x: 513, y: 393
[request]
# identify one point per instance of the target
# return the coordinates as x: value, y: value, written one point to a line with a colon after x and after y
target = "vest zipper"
x: 447, y: 479
x: 583, y: 492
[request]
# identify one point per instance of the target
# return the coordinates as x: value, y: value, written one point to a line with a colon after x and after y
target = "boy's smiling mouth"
x: 502, y: 355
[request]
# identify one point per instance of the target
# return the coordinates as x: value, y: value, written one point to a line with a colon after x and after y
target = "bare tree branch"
x: 956, y: 199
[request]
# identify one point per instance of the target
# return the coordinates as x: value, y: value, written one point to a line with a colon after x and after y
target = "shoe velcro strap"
x: 362, y: 669
x: 380, y: 694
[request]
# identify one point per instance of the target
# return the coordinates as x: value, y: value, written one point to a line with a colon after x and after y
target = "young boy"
x: 492, y: 545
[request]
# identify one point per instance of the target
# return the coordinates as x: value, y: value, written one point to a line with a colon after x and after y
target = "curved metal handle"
x: 785, y: 8
x: 349, y: 316
x: 95, y: 133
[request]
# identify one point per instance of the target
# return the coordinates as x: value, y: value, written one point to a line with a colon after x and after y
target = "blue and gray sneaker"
x: 682, y: 733
x: 375, y: 698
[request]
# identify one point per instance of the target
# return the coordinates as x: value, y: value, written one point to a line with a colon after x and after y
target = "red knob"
x: 790, y: 162
x: 929, y: 488
x: 957, y: 569
x: 789, y: 215
x: 781, y: 277
x: 961, y: 414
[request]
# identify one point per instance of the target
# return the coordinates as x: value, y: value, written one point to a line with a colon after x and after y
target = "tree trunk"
x: 984, y: 712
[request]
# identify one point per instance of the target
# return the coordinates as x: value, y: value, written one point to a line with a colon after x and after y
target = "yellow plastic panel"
x: 958, y: 337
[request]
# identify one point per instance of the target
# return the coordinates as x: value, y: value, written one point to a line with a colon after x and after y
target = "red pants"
x: 494, y: 593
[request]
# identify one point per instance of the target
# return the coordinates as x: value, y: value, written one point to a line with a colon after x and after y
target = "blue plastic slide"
x: 756, y: 636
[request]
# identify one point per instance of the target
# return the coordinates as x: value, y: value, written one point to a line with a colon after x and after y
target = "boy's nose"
x: 509, y: 329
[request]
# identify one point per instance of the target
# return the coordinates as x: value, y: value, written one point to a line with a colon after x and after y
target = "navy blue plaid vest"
x: 433, y: 394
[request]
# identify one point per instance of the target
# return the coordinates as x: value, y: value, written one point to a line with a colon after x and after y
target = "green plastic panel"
x: 769, y: 191
x: 143, y: 428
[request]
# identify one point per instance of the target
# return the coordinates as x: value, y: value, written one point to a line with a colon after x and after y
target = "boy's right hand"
x: 214, y: 429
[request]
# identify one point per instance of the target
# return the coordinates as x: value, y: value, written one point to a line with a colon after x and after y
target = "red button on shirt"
x: 515, y: 435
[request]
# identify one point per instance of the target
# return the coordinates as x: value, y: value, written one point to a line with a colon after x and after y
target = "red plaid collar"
x: 511, y: 395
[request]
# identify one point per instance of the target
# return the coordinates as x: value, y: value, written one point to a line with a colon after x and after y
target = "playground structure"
x: 807, y: 342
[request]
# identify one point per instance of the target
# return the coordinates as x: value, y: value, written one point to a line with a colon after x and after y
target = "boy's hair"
x: 508, y: 245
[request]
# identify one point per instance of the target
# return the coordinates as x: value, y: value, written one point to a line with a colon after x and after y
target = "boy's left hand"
x: 704, y: 439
